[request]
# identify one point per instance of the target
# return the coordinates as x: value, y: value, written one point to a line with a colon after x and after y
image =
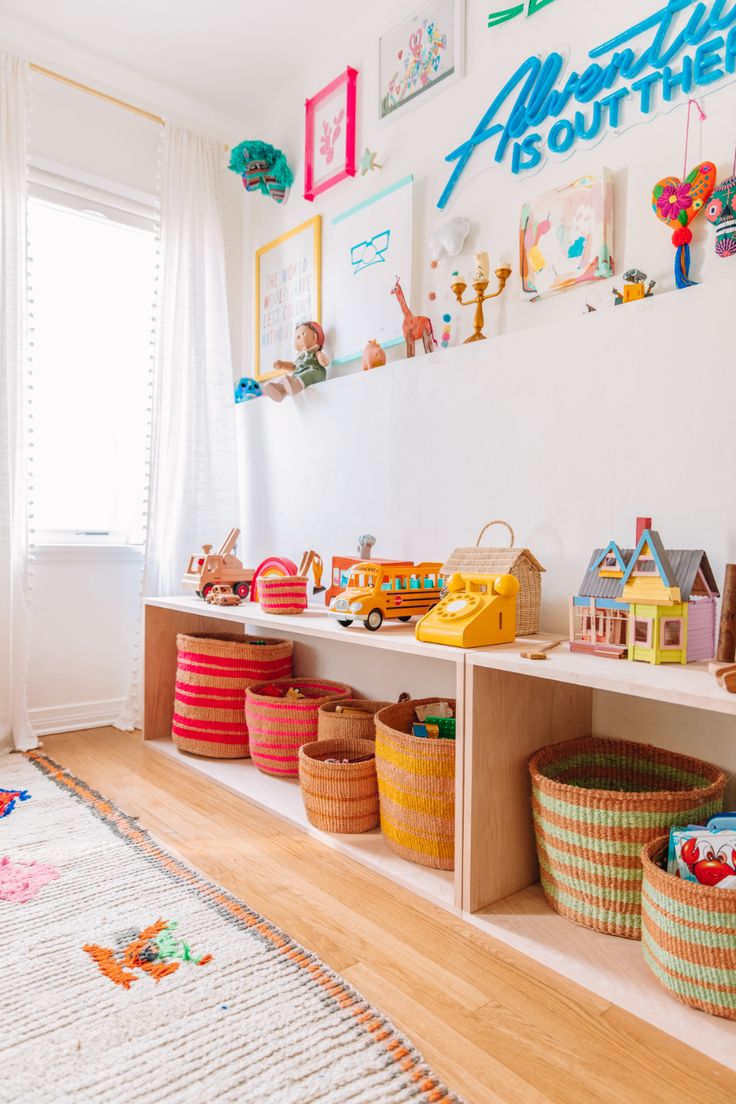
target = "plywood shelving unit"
x: 508, y: 707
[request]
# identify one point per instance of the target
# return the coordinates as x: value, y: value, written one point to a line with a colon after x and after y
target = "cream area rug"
x: 129, y: 978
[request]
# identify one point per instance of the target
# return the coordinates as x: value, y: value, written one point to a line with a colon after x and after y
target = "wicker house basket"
x: 332, y: 725
x: 416, y: 787
x: 339, y: 797
x: 213, y: 671
x: 277, y: 727
x: 689, y: 936
x: 595, y: 803
x: 283, y: 593
x: 505, y: 561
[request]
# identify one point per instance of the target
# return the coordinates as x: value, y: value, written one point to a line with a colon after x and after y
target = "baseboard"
x: 72, y: 718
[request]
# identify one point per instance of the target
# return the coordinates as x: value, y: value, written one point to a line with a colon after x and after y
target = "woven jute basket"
x: 277, y: 727
x: 332, y: 725
x: 416, y: 787
x: 595, y: 803
x: 339, y: 797
x: 213, y: 671
x: 283, y: 593
x: 505, y: 561
x: 689, y: 936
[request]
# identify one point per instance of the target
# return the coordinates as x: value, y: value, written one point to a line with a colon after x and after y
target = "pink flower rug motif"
x: 21, y: 882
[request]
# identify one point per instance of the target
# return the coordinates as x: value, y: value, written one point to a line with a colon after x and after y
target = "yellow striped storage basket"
x: 689, y: 936
x: 416, y: 787
x: 595, y: 803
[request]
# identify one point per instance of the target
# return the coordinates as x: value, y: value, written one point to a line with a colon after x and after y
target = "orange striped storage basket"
x: 339, y: 796
x: 283, y: 594
x: 689, y: 936
x: 277, y: 727
x: 416, y: 788
x: 212, y: 673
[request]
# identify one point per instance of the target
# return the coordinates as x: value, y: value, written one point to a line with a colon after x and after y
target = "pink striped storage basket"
x: 278, y: 727
x: 212, y: 673
x: 283, y: 593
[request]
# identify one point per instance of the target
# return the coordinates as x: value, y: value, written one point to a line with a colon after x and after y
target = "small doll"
x: 309, y: 367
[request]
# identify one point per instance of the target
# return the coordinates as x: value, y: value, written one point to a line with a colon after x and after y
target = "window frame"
x: 60, y: 186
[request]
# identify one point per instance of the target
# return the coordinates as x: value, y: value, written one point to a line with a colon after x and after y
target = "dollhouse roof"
x: 679, y: 568
x: 593, y: 586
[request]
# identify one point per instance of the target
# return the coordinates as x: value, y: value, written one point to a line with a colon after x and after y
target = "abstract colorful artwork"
x: 8, y: 799
x: 21, y: 882
x: 527, y: 7
x: 329, y: 134
x: 367, y: 247
x: 156, y: 951
x: 420, y: 52
x: 566, y: 236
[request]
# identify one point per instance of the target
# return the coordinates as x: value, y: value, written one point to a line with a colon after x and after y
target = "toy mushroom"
x: 308, y: 368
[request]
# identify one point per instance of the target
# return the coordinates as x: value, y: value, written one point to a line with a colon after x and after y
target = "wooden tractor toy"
x: 223, y: 570
x: 207, y: 569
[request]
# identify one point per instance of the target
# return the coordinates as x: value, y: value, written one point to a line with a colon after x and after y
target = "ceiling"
x: 224, y: 53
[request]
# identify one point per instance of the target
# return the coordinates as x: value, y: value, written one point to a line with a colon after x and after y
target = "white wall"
x: 416, y: 140
x: 568, y: 431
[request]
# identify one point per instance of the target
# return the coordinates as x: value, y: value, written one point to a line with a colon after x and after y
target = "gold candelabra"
x: 480, y: 286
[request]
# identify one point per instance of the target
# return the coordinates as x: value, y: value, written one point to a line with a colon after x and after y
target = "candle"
x: 482, y: 268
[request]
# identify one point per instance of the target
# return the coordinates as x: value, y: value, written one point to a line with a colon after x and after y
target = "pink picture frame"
x: 329, y: 134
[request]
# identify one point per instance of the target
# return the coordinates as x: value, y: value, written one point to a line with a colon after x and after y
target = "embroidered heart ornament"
x: 677, y: 203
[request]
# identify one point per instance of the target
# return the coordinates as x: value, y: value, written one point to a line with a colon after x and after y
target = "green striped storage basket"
x: 689, y: 936
x: 595, y: 803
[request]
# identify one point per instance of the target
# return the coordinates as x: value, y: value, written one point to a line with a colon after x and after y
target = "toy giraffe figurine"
x: 416, y: 326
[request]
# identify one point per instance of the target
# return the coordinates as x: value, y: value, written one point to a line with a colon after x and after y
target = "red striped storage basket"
x: 278, y: 727
x: 283, y: 593
x: 213, y: 671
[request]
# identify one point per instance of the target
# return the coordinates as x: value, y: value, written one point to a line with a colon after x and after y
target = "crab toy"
x: 709, y: 865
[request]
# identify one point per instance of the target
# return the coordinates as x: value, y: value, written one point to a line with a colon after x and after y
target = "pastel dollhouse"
x: 646, y: 603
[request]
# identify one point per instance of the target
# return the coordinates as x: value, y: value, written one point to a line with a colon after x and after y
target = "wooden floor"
x: 495, y: 1025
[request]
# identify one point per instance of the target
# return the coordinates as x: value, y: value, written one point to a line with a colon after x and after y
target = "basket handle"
x: 498, y: 521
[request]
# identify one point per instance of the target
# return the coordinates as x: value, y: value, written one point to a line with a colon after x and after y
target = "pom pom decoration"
x: 677, y: 203
x: 263, y: 168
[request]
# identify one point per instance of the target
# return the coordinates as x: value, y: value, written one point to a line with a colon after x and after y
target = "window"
x: 610, y: 561
x: 672, y: 632
x: 92, y: 278
x: 645, y: 566
x: 643, y: 631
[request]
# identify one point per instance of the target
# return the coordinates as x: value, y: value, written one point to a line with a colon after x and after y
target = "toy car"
x: 222, y: 595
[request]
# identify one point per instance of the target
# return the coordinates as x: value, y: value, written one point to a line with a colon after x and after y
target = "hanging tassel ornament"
x: 677, y: 202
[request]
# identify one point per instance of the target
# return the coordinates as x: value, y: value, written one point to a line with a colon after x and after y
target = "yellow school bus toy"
x: 380, y: 591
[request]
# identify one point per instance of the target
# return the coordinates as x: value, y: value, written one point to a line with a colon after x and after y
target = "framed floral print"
x: 423, y: 51
x: 330, y: 134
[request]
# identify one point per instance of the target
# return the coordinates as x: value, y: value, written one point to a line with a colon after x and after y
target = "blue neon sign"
x: 535, y: 112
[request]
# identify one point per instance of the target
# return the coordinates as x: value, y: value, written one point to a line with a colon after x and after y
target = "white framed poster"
x: 368, y: 247
x: 288, y: 291
x: 422, y: 51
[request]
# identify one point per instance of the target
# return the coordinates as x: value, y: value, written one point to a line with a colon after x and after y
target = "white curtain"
x: 15, y: 729
x: 193, y: 475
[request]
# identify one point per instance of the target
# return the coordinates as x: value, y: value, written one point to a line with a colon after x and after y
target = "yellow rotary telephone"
x: 477, y: 611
